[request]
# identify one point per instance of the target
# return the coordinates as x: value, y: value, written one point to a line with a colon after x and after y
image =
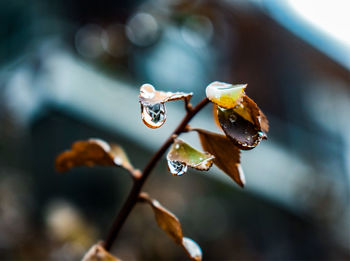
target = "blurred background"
x: 71, y: 70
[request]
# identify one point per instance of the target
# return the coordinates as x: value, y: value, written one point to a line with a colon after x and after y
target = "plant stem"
x: 140, y: 181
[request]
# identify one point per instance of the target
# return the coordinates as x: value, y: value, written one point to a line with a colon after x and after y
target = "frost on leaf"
x: 225, y: 95
x: 227, y: 155
x: 98, y: 253
x: 153, y: 110
x: 92, y: 152
x: 182, y: 155
x: 170, y: 224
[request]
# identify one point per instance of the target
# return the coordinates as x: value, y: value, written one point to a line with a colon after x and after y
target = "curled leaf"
x: 239, y: 116
x: 182, y: 155
x: 93, y: 152
x: 170, y: 224
x: 241, y: 132
x: 153, y: 110
x: 227, y: 155
x: 98, y: 253
x: 251, y: 112
x: 192, y: 249
x: 225, y: 95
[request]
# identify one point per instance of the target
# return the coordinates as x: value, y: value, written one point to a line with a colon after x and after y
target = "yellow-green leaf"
x: 182, y: 153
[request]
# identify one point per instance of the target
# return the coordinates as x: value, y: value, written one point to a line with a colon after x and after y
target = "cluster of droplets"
x: 177, y: 168
x: 154, y: 115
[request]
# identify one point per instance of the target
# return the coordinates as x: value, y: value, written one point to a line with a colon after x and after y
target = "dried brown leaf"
x: 227, y: 155
x: 250, y: 111
x: 166, y: 220
x: 170, y: 224
x: 264, y: 123
x: 92, y: 152
x: 98, y: 253
x: 183, y: 153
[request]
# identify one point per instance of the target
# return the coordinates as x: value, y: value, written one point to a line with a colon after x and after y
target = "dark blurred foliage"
x: 180, y: 45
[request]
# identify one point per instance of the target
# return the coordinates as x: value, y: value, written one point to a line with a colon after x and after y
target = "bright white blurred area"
x: 329, y: 16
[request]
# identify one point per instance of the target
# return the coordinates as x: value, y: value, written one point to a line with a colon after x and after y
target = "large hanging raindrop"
x: 153, y: 115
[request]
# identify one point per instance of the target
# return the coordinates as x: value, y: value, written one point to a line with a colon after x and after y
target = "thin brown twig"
x: 140, y: 181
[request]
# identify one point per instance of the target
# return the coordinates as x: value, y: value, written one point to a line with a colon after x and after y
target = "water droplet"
x: 154, y: 115
x: 118, y: 161
x: 147, y: 91
x: 232, y: 118
x: 177, y: 168
x: 262, y: 135
x: 177, y: 146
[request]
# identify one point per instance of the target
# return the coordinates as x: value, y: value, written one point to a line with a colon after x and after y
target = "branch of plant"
x: 140, y: 180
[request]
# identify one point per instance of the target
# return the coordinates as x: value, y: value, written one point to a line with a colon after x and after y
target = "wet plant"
x: 244, y: 126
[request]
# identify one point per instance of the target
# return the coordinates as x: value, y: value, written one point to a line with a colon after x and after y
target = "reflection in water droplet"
x: 262, y: 135
x: 154, y: 115
x: 232, y: 118
x: 177, y: 168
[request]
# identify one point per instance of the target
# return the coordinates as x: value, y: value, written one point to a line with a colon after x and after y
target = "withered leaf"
x: 153, y: 111
x: 264, y: 123
x: 166, y: 220
x: 250, y: 111
x: 225, y: 95
x: 98, y: 253
x: 92, y: 152
x: 170, y: 224
x: 227, y: 155
x: 183, y: 153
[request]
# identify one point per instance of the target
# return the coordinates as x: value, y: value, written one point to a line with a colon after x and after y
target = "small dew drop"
x: 232, y: 118
x: 177, y: 146
x: 177, y: 168
x: 118, y: 161
x: 262, y: 135
x: 154, y: 115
